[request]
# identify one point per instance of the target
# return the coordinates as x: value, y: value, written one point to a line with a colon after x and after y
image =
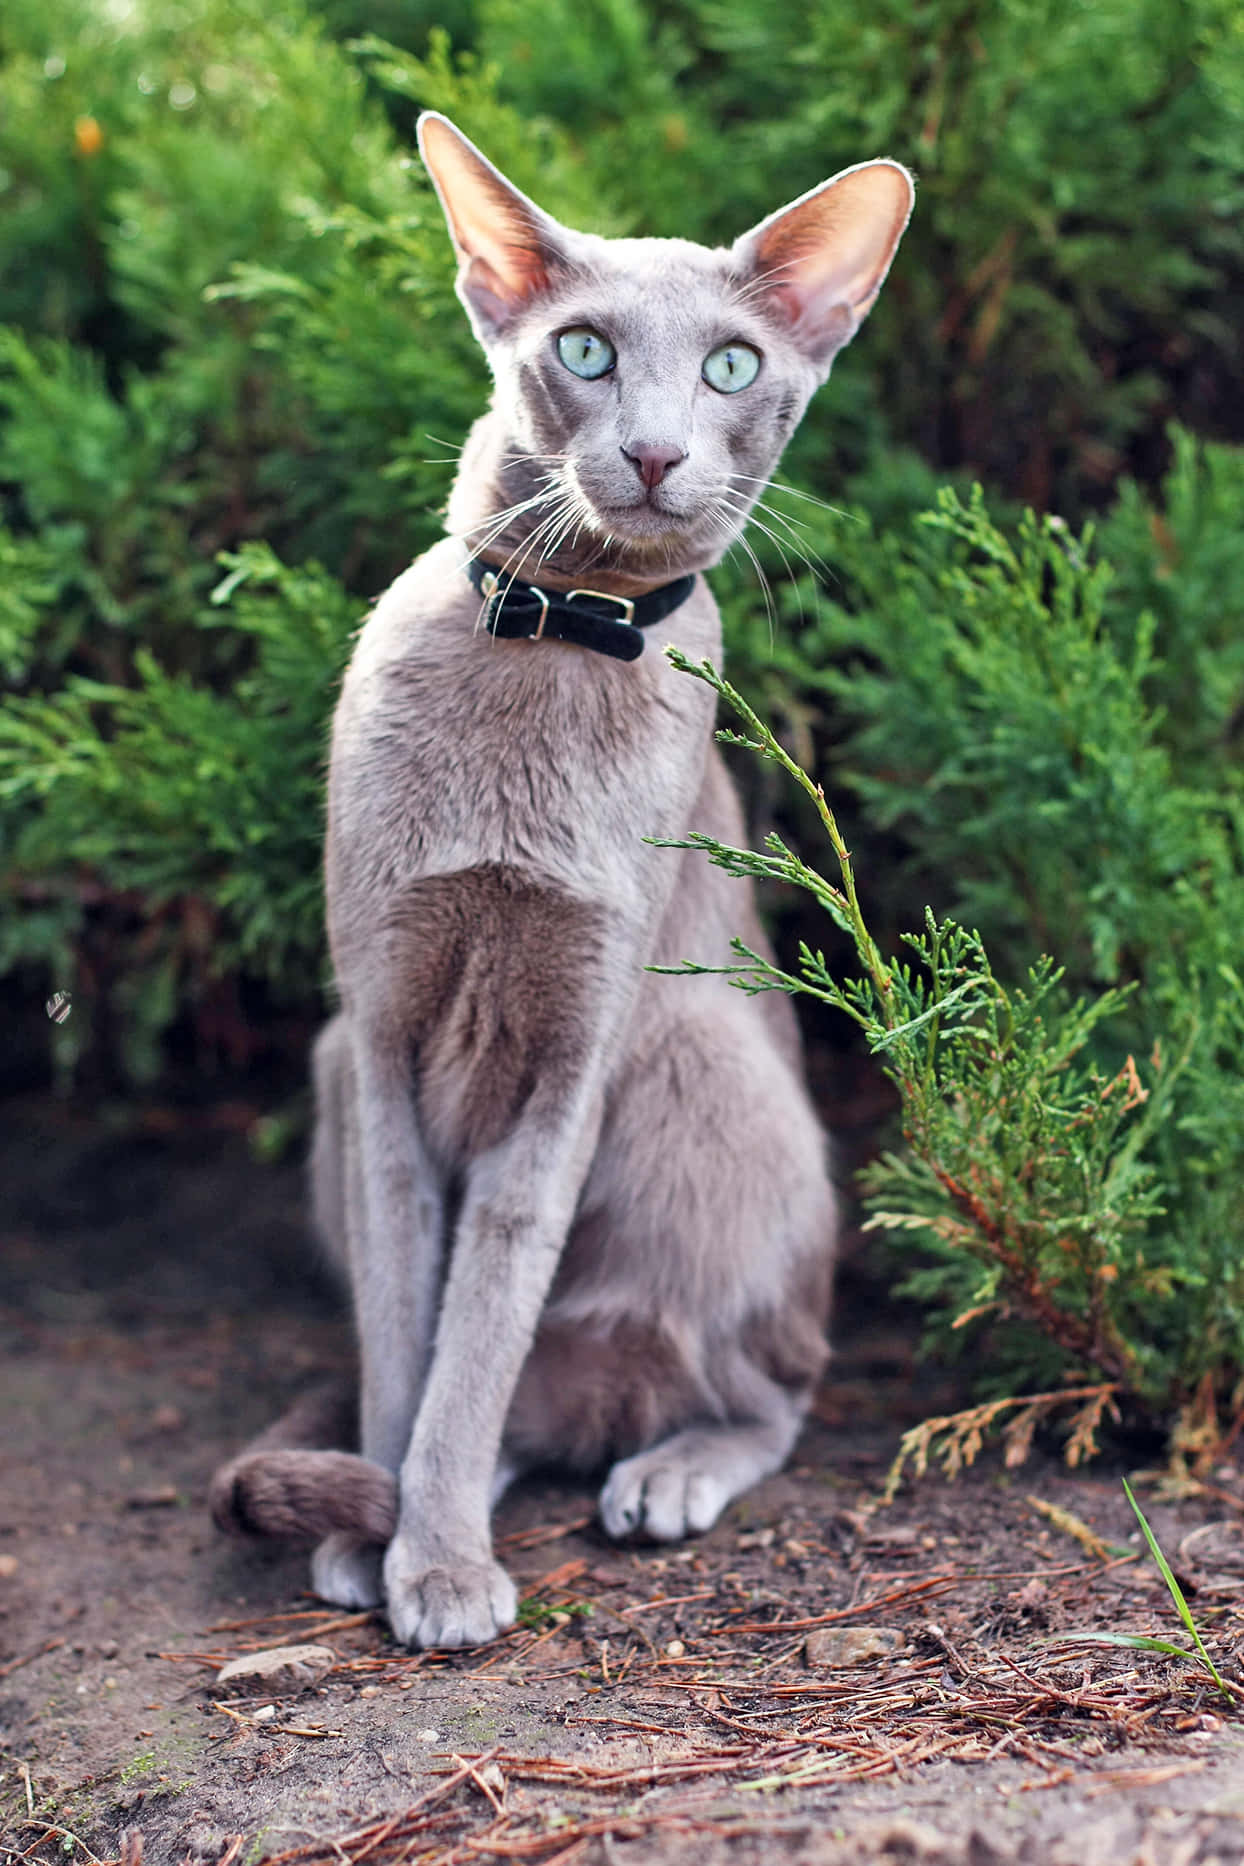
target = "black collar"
x: 588, y: 618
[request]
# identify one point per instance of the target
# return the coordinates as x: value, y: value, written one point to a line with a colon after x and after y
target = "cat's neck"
x: 503, y: 508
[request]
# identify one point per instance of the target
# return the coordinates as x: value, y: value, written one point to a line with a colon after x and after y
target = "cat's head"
x: 656, y: 382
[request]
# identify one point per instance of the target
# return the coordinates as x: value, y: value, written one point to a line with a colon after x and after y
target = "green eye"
x: 731, y: 368
x: 586, y: 353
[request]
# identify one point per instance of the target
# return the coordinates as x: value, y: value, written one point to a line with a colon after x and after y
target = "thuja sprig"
x: 1023, y: 1163
x: 782, y: 864
x: 871, y: 1000
x: 891, y: 1003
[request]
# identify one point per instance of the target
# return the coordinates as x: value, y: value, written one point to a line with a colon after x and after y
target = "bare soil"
x: 157, y: 1306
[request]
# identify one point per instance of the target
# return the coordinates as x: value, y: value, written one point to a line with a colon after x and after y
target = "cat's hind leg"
x: 684, y: 1445
x: 332, y: 1075
x: 715, y: 1225
x: 680, y: 1486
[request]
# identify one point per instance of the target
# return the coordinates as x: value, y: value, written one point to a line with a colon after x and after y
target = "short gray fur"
x: 583, y: 1209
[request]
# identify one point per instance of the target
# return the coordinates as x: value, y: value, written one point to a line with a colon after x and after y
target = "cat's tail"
x: 288, y: 1483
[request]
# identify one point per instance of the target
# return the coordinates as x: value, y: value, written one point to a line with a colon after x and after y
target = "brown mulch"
x: 653, y: 1705
x: 718, y: 1688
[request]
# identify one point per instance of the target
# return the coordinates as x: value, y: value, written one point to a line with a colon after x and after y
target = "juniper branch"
x: 1011, y: 1136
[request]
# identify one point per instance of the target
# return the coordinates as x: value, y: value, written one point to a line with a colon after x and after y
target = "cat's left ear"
x: 506, y: 245
x: 821, y: 262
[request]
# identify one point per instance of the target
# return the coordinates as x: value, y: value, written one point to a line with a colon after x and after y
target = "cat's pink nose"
x: 653, y: 463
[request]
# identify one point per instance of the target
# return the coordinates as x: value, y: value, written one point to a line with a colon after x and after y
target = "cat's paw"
x: 346, y: 1571
x: 662, y: 1494
x: 465, y: 1604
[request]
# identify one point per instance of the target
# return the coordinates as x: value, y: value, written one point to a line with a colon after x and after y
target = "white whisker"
x: 781, y: 545
x: 794, y: 528
x: 778, y: 543
x: 798, y: 543
x: 482, y: 537
x: 523, y: 549
x: 726, y: 518
x: 796, y: 492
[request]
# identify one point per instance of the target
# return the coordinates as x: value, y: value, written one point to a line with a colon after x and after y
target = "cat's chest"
x: 451, y: 750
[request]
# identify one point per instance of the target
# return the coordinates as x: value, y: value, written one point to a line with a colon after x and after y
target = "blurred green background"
x: 233, y: 376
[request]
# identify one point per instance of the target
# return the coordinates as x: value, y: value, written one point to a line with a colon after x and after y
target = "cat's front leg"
x: 394, y: 1221
x: 442, y: 1585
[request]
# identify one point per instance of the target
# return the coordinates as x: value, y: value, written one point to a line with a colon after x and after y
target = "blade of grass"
x: 1176, y: 1592
x: 1137, y: 1641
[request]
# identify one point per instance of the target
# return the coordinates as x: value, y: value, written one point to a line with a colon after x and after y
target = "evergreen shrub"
x: 233, y: 383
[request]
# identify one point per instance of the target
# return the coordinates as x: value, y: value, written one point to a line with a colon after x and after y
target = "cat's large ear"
x: 506, y: 245
x: 821, y: 261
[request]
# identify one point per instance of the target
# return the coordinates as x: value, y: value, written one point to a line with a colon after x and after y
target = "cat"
x: 584, y: 1209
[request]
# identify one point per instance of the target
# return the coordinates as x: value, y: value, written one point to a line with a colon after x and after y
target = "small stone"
x: 893, y: 1536
x: 371, y: 1691
x: 429, y: 1736
x: 264, y: 1714
x: 491, y: 1777
x: 851, y: 1645
x: 8, y: 1567
x: 283, y: 1670
x: 675, y: 1649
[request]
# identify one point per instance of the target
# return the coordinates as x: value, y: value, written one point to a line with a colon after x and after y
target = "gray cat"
x: 583, y: 1209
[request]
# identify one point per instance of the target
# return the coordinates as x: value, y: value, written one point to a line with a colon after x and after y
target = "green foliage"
x: 1001, y: 657
x: 27, y: 586
x: 172, y: 788
x: 228, y: 333
x: 539, y: 1614
x: 1178, y: 569
x: 143, y: 1764
x: 1011, y: 722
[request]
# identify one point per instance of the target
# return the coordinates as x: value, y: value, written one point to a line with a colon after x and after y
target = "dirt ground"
x: 666, y: 1705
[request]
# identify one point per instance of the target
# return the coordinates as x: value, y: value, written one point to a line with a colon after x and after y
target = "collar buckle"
x: 625, y: 603
x: 490, y: 584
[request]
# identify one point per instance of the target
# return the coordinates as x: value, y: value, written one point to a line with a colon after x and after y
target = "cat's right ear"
x: 506, y: 245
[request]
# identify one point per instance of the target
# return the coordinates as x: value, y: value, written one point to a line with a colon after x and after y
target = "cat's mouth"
x: 648, y: 516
